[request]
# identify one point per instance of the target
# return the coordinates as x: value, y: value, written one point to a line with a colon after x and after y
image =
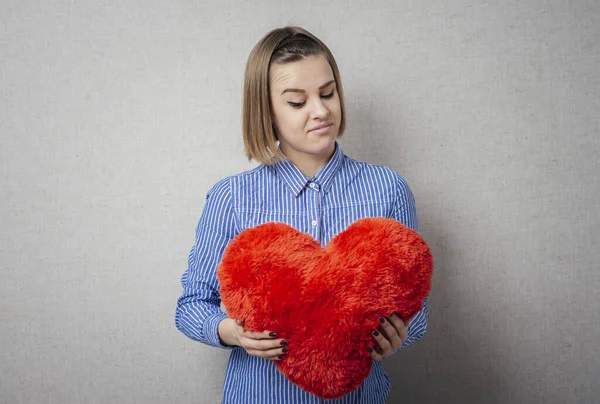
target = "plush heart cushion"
x: 325, y: 301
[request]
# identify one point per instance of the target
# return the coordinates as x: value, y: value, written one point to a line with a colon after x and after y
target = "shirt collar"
x: 296, y: 181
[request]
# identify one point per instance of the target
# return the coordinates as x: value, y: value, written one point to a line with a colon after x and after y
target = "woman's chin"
x: 325, y: 146
x: 326, y: 140
x: 326, y: 149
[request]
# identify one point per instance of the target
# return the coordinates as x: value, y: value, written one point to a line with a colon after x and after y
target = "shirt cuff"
x: 211, y: 330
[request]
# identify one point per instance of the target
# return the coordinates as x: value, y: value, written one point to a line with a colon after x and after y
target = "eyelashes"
x: 301, y: 104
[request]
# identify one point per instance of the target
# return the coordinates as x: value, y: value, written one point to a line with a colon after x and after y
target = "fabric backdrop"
x: 116, y: 117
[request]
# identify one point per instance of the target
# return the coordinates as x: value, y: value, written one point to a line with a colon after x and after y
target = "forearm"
x: 418, y: 326
x: 200, y: 320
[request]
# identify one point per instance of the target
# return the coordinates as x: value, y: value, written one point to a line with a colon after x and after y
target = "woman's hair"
x: 282, y: 45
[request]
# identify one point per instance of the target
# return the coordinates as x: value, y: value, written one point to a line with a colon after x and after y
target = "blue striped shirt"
x: 343, y: 191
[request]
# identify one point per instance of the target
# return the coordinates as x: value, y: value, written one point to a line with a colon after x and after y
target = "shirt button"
x: 312, y: 185
x: 314, y: 223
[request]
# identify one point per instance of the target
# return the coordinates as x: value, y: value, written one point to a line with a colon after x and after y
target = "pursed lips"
x: 321, y: 126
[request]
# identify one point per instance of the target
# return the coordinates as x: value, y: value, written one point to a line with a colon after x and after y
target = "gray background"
x: 117, y: 117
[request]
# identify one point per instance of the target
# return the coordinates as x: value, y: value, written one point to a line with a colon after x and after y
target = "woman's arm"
x: 405, y: 211
x: 198, y: 313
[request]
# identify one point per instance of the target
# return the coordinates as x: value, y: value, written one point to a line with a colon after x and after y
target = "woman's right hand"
x: 264, y: 344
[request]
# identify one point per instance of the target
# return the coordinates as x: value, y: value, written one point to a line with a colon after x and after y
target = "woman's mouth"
x: 321, y: 129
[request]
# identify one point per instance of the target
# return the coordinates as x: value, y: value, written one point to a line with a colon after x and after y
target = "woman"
x: 293, y: 113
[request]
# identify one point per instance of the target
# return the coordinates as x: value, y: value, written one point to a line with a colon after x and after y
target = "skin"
x: 262, y: 344
x: 390, y: 336
x: 304, y: 96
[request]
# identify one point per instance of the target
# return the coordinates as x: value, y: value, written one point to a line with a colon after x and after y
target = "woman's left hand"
x: 390, y: 336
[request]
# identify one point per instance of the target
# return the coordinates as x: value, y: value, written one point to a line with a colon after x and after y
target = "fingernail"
x: 272, y: 334
x: 280, y: 357
x: 376, y: 333
x: 382, y: 320
x: 370, y: 349
x: 284, y: 350
x: 284, y: 343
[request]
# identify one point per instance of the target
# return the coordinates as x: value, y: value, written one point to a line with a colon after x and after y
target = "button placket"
x: 316, y: 208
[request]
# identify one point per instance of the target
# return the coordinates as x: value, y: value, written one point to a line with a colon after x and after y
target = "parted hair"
x: 281, y: 45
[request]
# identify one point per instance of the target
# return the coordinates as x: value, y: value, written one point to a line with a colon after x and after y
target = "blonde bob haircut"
x: 282, y: 45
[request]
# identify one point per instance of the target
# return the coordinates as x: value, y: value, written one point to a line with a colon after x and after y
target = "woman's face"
x: 306, y: 108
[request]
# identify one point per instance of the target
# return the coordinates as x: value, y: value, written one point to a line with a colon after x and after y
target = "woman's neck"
x: 309, y: 164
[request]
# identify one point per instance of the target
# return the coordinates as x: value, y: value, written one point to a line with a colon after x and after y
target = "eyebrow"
x: 297, y: 90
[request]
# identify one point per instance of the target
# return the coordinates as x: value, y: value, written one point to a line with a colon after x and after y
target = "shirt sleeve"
x: 198, y: 311
x: 405, y: 211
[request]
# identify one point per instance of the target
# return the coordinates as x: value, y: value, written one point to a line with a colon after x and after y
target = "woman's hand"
x: 390, y: 336
x: 264, y: 344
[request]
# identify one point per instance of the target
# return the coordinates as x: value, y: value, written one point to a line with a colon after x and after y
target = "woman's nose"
x: 319, y: 110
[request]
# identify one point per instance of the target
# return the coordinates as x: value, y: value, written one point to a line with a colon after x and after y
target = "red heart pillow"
x: 325, y: 301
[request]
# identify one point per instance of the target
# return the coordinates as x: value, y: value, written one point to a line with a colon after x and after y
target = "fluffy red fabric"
x: 325, y: 301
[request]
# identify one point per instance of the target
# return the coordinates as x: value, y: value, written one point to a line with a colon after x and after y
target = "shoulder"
x: 379, y: 173
x: 224, y: 187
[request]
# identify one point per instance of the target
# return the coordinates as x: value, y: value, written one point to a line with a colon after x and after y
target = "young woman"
x: 293, y: 113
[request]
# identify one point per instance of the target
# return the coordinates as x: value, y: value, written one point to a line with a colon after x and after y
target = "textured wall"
x: 117, y: 117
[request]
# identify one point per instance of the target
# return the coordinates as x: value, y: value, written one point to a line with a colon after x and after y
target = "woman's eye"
x: 301, y: 104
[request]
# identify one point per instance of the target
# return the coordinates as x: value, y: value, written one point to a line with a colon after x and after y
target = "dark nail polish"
x: 376, y: 333
x: 382, y: 320
x: 284, y: 350
x: 284, y: 343
x: 273, y: 334
x: 370, y: 349
x: 280, y: 357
